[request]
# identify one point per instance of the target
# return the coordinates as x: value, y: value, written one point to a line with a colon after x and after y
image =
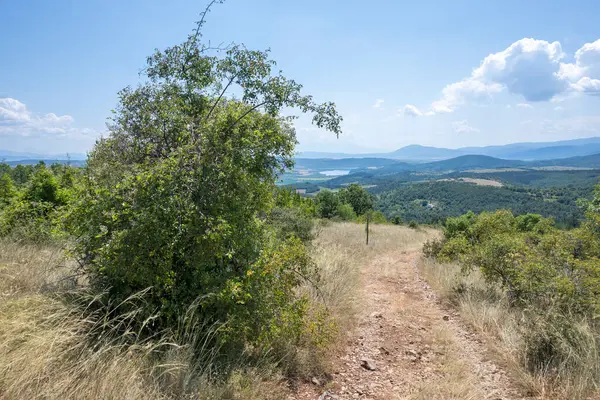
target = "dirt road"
x: 407, y: 346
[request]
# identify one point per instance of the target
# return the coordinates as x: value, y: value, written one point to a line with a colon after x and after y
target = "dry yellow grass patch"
x: 51, y: 349
x: 487, y: 311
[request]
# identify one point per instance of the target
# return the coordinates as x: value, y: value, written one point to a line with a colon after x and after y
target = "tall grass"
x: 517, y: 336
x: 79, y: 348
x: 53, y: 348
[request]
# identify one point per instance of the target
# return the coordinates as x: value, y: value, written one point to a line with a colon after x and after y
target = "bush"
x: 34, y: 213
x: 177, y: 202
x: 553, y: 276
x: 413, y: 224
x: 345, y: 212
x: 375, y: 217
x: 292, y: 222
x: 327, y: 203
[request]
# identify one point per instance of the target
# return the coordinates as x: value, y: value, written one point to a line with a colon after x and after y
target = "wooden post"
x: 367, y: 229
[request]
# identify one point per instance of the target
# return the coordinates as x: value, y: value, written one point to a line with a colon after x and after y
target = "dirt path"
x: 407, y: 346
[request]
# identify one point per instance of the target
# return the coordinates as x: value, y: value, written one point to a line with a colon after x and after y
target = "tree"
x: 7, y: 189
x: 327, y: 203
x: 355, y: 195
x: 175, y: 199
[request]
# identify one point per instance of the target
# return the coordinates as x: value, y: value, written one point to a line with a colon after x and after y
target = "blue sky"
x: 442, y: 73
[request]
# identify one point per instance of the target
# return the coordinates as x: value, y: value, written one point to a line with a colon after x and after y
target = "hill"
x: 515, y: 151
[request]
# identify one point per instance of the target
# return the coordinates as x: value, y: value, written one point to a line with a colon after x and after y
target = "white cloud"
x: 558, y: 108
x: 378, y: 103
x: 529, y: 68
x: 17, y: 120
x: 524, y: 105
x: 463, y: 127
x: 413, y: 111
x: 12, y: 110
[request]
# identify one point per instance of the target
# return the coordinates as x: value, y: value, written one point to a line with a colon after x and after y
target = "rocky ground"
x: 408, y: 346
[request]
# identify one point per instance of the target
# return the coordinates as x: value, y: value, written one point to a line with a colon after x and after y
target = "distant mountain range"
x: 471, y: 162
x: 527, y: 151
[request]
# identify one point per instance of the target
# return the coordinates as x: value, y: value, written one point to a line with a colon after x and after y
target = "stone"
x: 446, y: 317
x: 368, y: 364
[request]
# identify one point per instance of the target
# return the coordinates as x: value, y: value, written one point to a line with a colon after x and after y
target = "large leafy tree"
x: 358, y: 197
x: 176, y: 196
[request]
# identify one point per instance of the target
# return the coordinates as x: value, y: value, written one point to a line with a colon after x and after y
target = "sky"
x: 438, y: 73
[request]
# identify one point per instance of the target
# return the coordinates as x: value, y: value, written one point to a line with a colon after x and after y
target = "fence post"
x: 367, y: 229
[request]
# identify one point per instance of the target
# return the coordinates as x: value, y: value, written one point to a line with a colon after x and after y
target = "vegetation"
x: 432, y: 203
x: 549, y: 276
x: 182, y: 249
x: 352, y: 203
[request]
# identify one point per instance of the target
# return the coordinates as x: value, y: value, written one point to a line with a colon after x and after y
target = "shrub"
x: 553, y: 276
x: 375, y: 217
x: 345, y: 212
x: 327, y: 203
x: 413, y: 224
x: 7, y: 190
x: 292, y: 222
x: 432, y: 248
x: 177, y: 202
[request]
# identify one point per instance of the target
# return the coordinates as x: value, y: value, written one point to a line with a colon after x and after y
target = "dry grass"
x: 504, y: 328
x: 454, y: 379
x: 339, y: 251
x: 49, y: 349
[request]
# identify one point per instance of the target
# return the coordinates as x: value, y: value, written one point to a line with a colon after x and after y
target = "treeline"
x: 433, y: 202
x: 351, y: 203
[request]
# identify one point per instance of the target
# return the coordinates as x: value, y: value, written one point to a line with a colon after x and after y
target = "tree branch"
x: 246, y: 113
x: 220, y: 97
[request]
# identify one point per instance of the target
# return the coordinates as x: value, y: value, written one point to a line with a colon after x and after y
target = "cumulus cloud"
x: 463, y: 127
x: 17, y: 120
x: 524, y: 105
x: 530, y: 68
x: 378, y: 103
x: 12, y: 110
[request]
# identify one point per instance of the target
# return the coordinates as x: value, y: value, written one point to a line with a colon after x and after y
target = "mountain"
x: 590, y: 161
x: 343, y: 163
x: 417, y: 152
x: 468, y: 162
x: 529, y: 151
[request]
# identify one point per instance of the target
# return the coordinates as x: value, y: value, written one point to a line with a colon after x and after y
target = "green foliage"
x: 432, y: 203
x: 33, y: 211
x: 375, y: 217
x: 327, y: 203
x: 179, y: 201
x: 292, y: 222
x: 413, y: 224
x: 345, y: 212
x: 552, y: 275
x: 355, y: 195
x: 7, y: 190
